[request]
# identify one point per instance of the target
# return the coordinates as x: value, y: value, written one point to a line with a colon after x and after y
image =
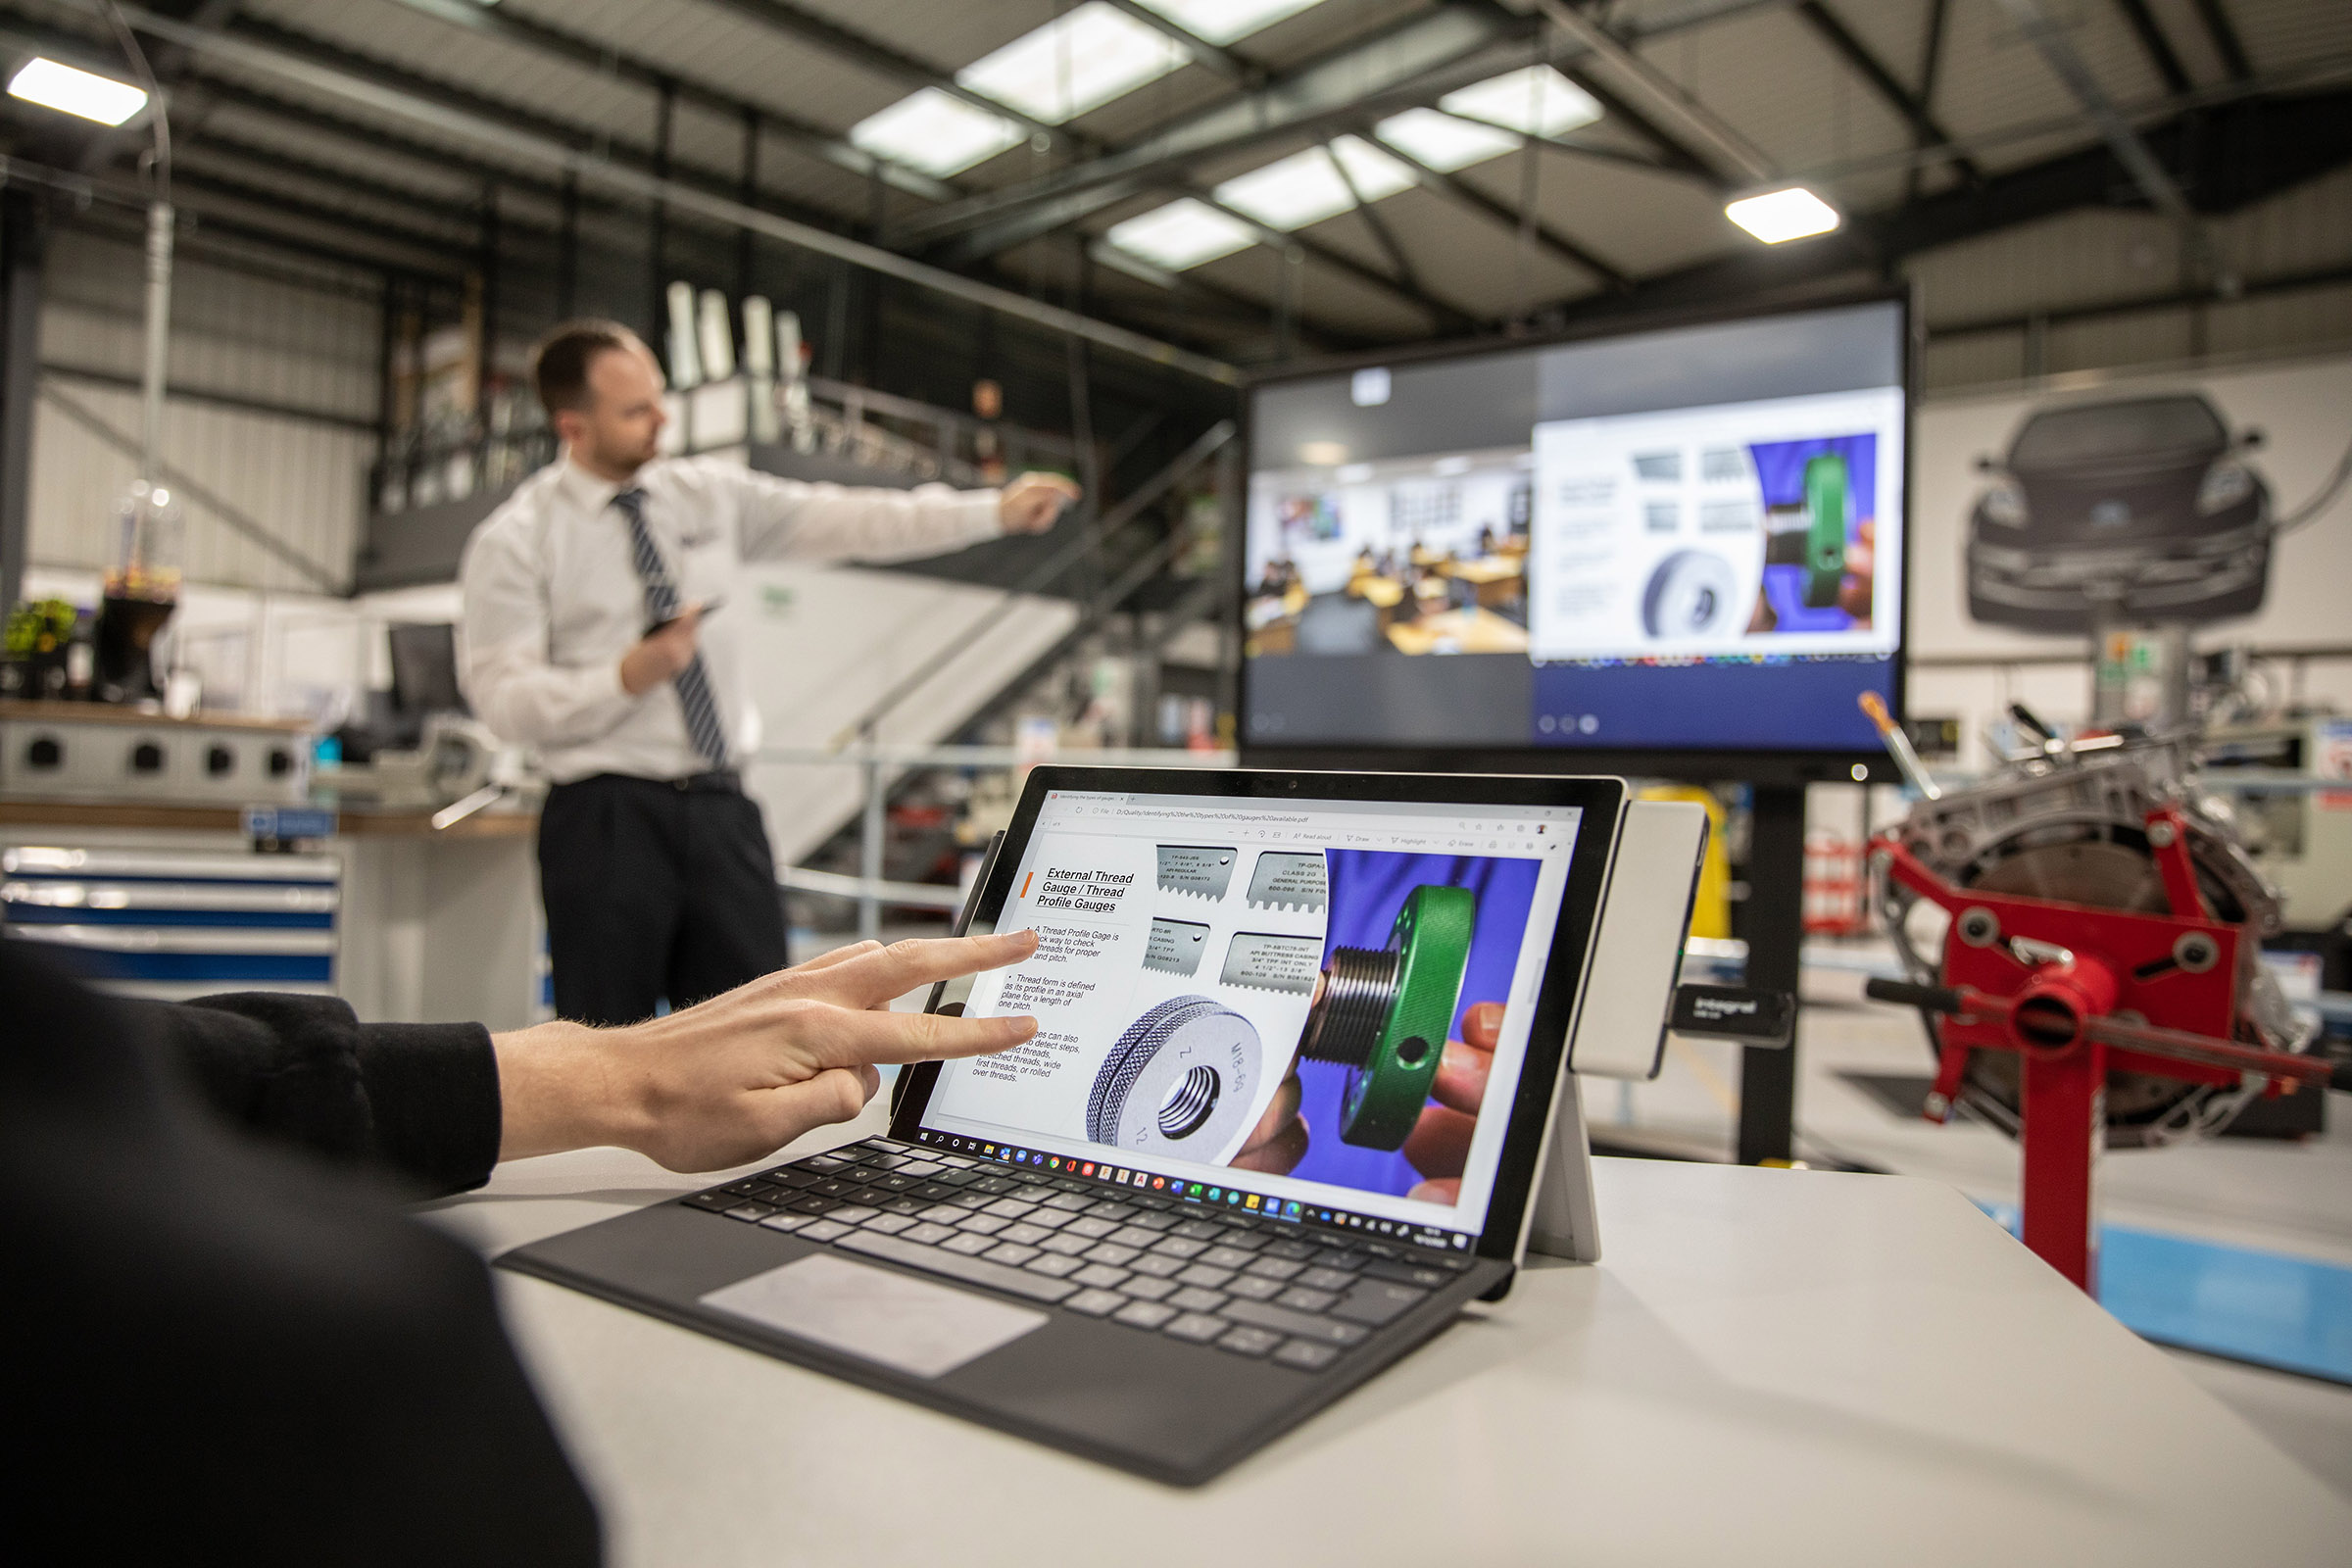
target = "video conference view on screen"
x: 1687, y: 539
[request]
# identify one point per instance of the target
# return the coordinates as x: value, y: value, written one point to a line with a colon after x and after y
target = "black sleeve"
x: 229, y: 1353
x: 417, y: 1100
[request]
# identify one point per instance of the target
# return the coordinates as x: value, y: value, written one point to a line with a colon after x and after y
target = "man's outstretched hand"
x: 1032, y: 503
x: 746, y: 1074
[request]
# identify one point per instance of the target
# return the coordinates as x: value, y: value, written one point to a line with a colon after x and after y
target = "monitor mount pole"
x: 1774, y: 922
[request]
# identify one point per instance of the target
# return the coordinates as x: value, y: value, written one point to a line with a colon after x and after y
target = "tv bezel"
x: 1792, y: 765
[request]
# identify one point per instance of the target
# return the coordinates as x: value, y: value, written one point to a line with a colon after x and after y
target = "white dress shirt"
x: 553, y: 598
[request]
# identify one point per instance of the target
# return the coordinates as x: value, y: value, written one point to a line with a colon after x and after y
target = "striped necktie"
x: 703, y: 723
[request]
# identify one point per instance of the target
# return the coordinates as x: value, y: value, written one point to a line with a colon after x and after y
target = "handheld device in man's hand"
x: 1298, y: 1055
x: 709, y: 606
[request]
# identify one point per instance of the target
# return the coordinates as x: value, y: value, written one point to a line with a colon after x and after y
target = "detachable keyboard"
x: 1256, y: 1286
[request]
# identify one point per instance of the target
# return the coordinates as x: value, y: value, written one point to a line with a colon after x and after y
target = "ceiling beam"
x: 1300, y: 102
x: 578, y: 49
x: 2152, y: 41
x: 1840, y: 39
x: 1459, y: 192
x: 1441, y: 316
x: 2224, y: 35
x: 1931, y: 68
x: 1381, y: 234
x: 1207, y: 56
x: 1685, y: 118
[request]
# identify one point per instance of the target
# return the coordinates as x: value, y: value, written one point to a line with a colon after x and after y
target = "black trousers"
x: 654, y: 890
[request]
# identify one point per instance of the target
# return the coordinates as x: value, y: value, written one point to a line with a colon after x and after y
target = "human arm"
x: 504, y: 667
x: 793, y: 520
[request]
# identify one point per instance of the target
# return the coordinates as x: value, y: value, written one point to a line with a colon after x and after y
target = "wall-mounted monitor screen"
x: 1682, y: 544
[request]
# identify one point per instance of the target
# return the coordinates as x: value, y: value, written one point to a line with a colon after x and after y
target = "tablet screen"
x: 1306, y: 1009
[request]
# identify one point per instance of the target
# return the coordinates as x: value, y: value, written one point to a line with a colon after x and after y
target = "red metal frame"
x: 2076, y: 990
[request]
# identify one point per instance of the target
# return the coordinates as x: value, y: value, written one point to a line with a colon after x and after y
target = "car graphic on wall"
x: 2130, y: 511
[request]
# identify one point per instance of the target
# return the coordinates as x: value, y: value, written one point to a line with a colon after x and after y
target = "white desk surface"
x: 1766, y: 1367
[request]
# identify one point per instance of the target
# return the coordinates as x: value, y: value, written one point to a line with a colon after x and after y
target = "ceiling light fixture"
x: 1535, y: 100
x: 1792, y: 212
x: 1184, y: 233
x: 1307, y: 187
x: 1441, y: 141
x: 1081, y: 59
x: 62, y: 87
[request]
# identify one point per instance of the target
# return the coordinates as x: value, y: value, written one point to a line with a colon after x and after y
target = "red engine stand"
x: 2076, y: 990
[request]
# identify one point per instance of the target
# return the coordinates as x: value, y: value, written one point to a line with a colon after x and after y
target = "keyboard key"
x: 1341, y: 1257
x: 1158, y: 1267
x: 717, y: 1201
x: 1150, y: 1224
x: 1244, y: 1241
x: 1075, y: 1202
x: 959, y: 1179
x: 1193, y: 1299
x: 1404, y: 1273
x: 1253, y: 1288
x: 968, y: 1245
x: 1067, y: 1246
x: 936, y: 1192
x: 1132, y: 1235
x: 981, y: 1224
x: 752, y: 1210
x: 927, y: 1234
x: 904, y: 1203
x: 1090, y: 1226
x: 1296, y: 1251
x: 1104, y: 1208
x: 834, y: 1187
x: 1266, y: 1315
x: 922, y: 1170
x: 1304, y: 1300
x: 956, y: 1266
x: 995, y: 1185
x: 813, y: 1204
x: 1249, y: 1341
x: 895, y: 1182
x: 1046, y: 1219
x: 1111, y: 1253
x: 1143, y: 1314
x: 1009, y: 1252
x: 1275, y: 1268
x: 1199, y: 1230
x: 1096, y: 1303
x: 1070, y: 1184
x: 824, y: 1230
x: 1144, y: 1289
x: 889, y: 1224
x: 787, y: 1222
x: 1376, y: 1301
x: 1024, y: 1235
x: 1307, y: 1355
x: 1198, y: 1327
x: 1010, y: 1207
x: 1176, y: 1246
x: 1052, y: 1266
x: 1225, y: 1257
x: 1326, y: 1279
x: 888, y: 1161
x: 1204, y: 1275
x: 854, y: 1214
x: 1102, y: 1276
x: 824, y: 1164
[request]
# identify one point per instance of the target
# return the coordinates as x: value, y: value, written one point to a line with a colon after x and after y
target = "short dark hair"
x: 560, y: 363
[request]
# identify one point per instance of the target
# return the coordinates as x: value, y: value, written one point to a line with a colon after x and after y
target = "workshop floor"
x: 2274, y: 1196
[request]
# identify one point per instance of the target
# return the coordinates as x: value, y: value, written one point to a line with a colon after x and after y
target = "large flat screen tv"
x: 1675, y: 548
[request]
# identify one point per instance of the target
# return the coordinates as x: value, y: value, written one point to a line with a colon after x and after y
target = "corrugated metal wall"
x: 274, y: 399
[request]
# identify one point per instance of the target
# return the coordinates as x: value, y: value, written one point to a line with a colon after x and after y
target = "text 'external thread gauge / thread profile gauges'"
x: 1692, y: 593
x: 1384, y: 1014
x: 1813, y: 534
x: 1179, y: 1081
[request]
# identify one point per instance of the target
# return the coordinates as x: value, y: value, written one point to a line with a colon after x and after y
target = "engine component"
x: 1692, y: 593
x: 1384, y: 1014
x: 1179, y: 1081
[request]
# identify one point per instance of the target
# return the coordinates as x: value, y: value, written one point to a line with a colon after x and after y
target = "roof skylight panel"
x: 936, y: 132
x: 1306, y: 188
x: 1224, y: 21
x: 1441, y: 141
x: 1535, y: 99
x: 1184, y: 233
x: 1081, y: 59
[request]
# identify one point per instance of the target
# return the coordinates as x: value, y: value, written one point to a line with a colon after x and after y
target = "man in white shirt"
x: 583, y: 637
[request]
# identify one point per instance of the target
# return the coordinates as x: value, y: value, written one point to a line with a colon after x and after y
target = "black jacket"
x: 222, y: 1342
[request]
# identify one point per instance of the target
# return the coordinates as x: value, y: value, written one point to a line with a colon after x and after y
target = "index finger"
x: 895, y: 970
x: 849, y: 1039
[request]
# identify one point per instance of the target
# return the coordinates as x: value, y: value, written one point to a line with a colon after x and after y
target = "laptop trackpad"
x: 908, y: 1324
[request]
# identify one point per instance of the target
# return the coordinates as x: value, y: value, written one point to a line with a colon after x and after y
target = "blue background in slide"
x: 1781, y: 472
x: 1368, y: 889
x: 1802, y: 703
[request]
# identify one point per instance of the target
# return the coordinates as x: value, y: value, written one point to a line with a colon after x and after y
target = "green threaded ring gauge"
x: 1384, y: 1015
x: 1179, y: 1081
x: 1825, y: 507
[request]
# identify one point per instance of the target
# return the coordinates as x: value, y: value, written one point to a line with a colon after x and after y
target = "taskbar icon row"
x: 1180, y: 1188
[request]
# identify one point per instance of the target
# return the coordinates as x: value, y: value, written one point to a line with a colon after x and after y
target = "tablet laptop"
x: 1300, y: 1046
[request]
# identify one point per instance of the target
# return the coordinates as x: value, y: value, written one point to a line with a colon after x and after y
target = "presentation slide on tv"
x: 1328, y: 1004
x: 1748, y: 528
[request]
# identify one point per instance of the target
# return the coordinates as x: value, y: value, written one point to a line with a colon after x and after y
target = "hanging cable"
x: 2320, y: 502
